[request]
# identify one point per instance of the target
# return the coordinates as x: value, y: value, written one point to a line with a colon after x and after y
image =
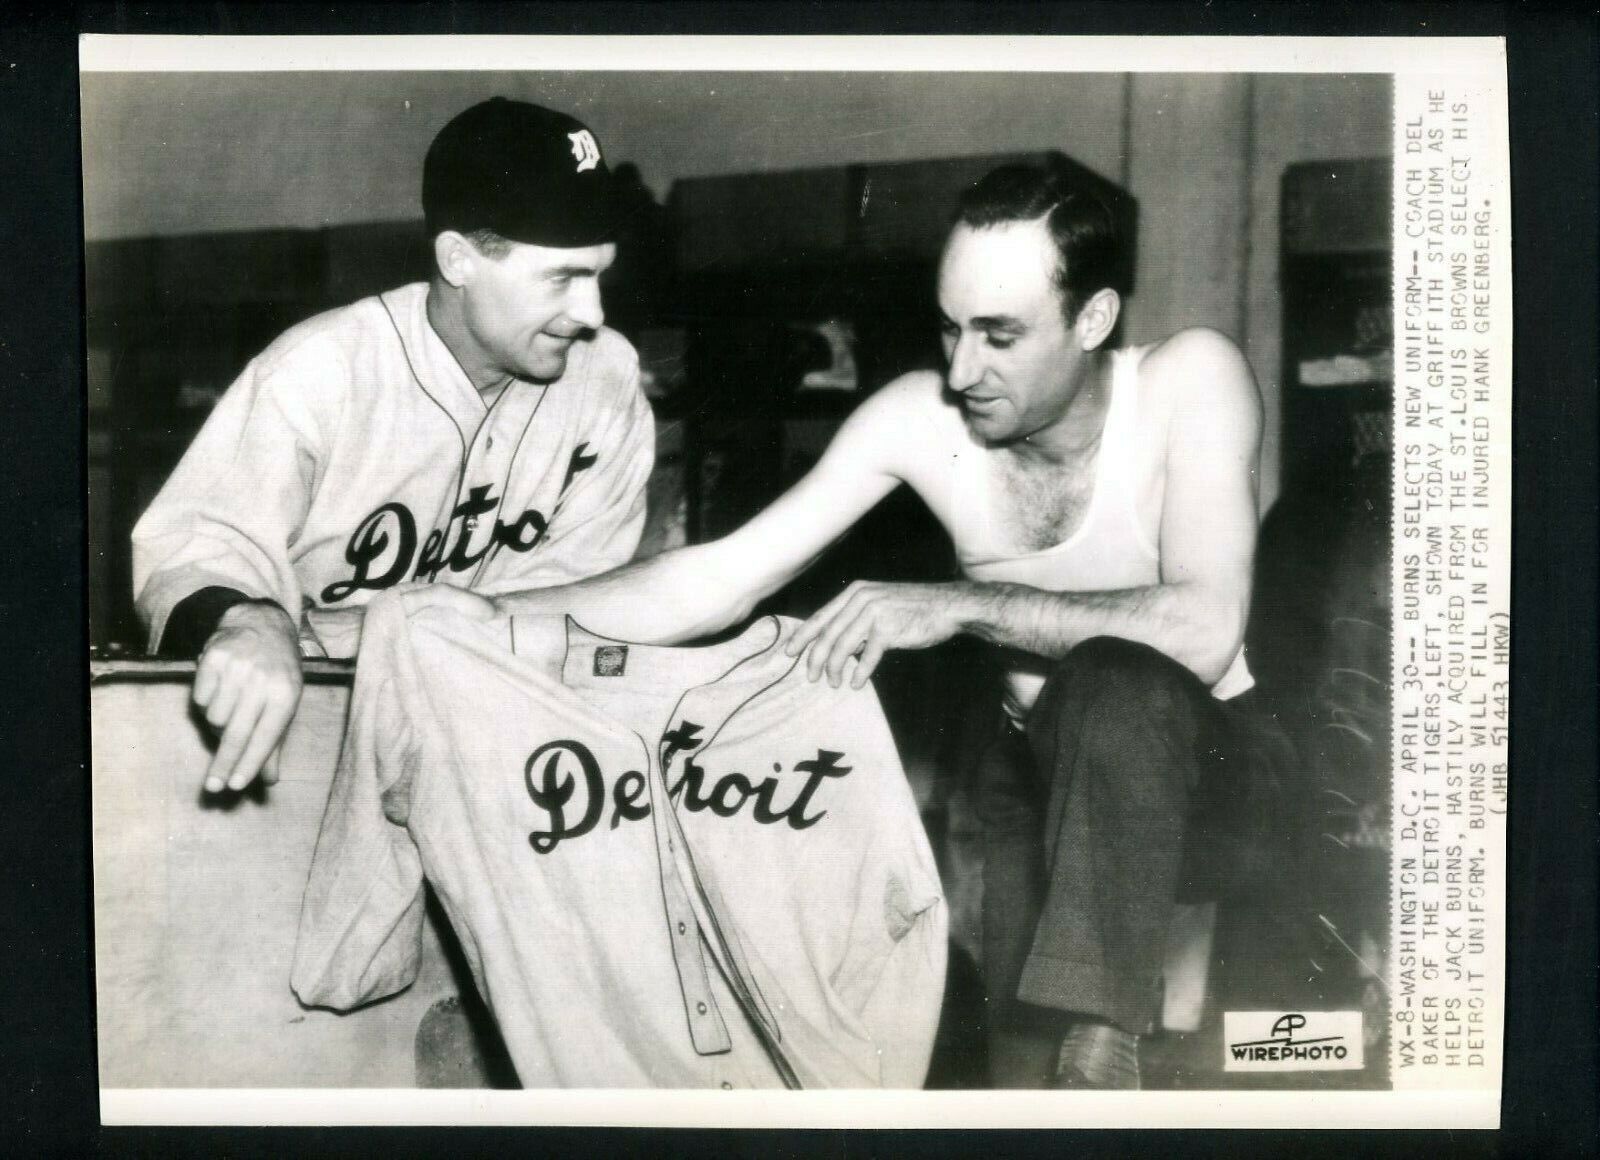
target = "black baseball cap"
x: 528, y: 173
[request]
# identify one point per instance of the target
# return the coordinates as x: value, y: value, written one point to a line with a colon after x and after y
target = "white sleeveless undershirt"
x: 1110, y: 550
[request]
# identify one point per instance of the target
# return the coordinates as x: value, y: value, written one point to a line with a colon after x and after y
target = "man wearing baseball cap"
x: 482, y: 429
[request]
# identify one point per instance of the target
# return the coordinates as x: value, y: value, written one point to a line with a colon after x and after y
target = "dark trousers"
x: 1114, y: 805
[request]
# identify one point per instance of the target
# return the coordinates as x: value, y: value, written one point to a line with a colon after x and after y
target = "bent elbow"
x: 1211, y: 669
x: 1218, y: 639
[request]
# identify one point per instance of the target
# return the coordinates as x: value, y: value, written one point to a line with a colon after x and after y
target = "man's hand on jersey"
x: 248, y: 684
x: 849, y: 635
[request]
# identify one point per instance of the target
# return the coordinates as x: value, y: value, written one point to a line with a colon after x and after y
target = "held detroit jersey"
x: 354, y: 454
x: 667, y: 867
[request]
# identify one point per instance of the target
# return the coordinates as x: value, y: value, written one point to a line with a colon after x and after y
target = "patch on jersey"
x: 610, y: 660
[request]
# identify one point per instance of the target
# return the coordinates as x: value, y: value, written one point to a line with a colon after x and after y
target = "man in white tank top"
x: 1103, y: 506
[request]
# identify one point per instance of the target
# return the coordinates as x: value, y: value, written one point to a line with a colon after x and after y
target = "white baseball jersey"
x: 354, y: 453
x: 667, y: 867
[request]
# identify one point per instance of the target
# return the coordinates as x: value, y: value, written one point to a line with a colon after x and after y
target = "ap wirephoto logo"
x: 1292, y: 1040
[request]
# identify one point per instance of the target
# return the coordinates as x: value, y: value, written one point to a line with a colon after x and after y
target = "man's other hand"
x: 248, y: 685
x: 852, y: 631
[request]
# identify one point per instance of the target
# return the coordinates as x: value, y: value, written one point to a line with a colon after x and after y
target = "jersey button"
x: 700, y: 1008
x: 726, y: 1086
x: 683, y: 928
x: 488, y: 443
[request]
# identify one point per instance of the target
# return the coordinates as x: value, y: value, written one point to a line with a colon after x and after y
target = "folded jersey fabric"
x: 667, y: 867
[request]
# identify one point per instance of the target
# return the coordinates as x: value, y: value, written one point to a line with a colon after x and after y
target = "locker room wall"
x: 1204, y: 154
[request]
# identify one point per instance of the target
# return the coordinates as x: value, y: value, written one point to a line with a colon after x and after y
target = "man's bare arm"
x: 1188, y: 622
x: 702, y: 588
x: 1196, y: 614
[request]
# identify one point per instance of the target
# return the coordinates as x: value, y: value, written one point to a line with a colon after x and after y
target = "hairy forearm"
x: 1187, y: 622
x: 666, y: 599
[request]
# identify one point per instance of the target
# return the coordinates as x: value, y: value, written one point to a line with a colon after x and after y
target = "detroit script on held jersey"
x: 671, y: 867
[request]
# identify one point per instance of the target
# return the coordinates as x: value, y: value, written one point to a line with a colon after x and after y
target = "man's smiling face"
x: 524, y: 309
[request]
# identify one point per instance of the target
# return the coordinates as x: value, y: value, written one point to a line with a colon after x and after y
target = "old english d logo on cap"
x: 585, y: 149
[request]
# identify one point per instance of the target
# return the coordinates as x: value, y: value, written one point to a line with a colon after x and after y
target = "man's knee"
x: 1125, y: 673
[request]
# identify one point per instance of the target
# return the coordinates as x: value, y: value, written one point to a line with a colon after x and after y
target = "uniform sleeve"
x: 229, y: 512
x: 194, y: 618
x: 361, y: 917
x: 601, y: 513
x: 894, y: 973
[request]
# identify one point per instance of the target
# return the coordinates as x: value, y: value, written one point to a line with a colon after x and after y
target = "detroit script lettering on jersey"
x: 383, y: 547
x: 555, y: 770
x: 677, y: 867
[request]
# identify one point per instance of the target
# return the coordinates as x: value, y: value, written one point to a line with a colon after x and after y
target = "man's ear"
x: 1097, y: 318
x: 454, y: 256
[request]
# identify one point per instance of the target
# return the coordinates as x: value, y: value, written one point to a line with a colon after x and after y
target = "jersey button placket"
x: 495, y: 465
x: 483, y: 465
x: 707, y: 1030
x: 469, y: 525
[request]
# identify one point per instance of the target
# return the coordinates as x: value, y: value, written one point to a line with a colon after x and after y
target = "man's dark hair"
x: 1089, y: 243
